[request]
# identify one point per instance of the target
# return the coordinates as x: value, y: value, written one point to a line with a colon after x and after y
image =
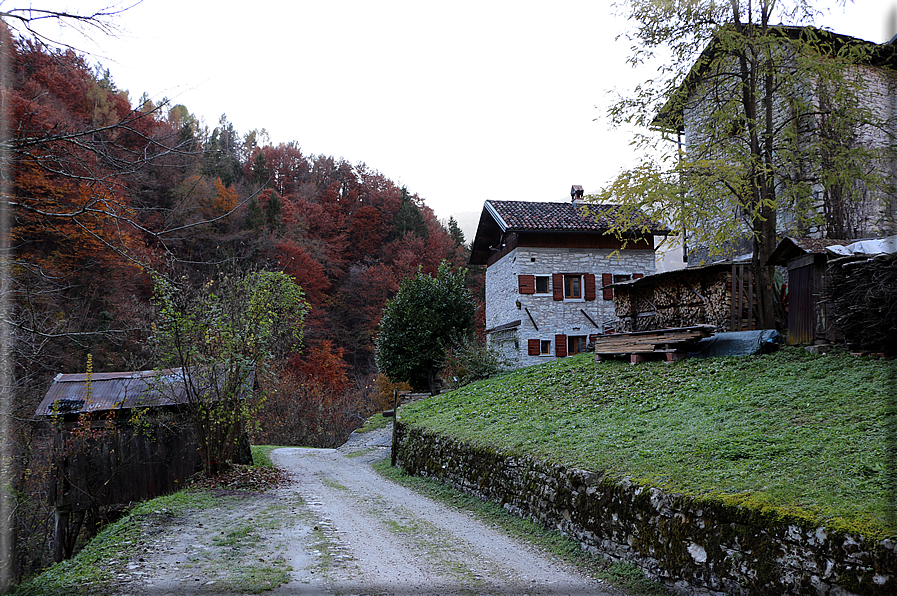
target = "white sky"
x: 460, y: 101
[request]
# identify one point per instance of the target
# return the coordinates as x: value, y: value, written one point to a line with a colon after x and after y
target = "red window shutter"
x: 560, y: 346
x: 557, y: 286
x: 526, y: 284
x: 533, y: 347
x: 606, y: 280
x: 590, y: 286
x: 638, y: 275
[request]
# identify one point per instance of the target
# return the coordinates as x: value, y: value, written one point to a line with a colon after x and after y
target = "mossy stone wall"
x: 695, y: 546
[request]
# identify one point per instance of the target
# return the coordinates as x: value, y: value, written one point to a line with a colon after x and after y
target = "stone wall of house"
x: 507, y: 343
x: 868, y: 214
x: 542, y: 317
x: 695, y: 546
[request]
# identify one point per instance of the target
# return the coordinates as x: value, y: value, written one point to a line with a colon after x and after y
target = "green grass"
x: 375, y: 422
x: 790, y: 432
x: 261, y: 455
x: 91, y: 570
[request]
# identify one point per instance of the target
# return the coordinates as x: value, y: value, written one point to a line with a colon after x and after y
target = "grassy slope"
x: 91, y: 570
x: 801, y: 433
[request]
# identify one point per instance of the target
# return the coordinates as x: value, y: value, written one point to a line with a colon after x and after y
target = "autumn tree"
x: 219, y: 338
x: 427, y: 313
x: 70, y: 147
x: 770, y: 114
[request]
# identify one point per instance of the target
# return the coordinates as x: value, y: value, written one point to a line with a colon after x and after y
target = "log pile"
x: 695, y: 296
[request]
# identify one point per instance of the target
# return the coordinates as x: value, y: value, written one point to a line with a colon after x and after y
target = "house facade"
x: 815, y: 199
x: 547, y: 268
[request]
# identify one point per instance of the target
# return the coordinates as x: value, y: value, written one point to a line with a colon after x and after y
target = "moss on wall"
x: 708, y: 544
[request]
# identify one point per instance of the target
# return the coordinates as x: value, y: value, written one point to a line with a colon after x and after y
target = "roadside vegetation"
x: 790, y: 432
x: 100, y: 561
x: 106, y: 558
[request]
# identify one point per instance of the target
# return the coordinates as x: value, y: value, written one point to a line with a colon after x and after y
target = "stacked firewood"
x: 693, y: 298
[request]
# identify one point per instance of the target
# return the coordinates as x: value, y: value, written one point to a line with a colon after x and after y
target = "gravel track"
x: 340, y: 528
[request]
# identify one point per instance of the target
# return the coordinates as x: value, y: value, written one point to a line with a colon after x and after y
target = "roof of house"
x: 683, y: 273
x: 669, y: 117
x: 502, y: 217
x: 72, y: 394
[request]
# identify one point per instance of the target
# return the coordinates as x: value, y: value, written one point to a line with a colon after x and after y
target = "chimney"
x: 576, y: 193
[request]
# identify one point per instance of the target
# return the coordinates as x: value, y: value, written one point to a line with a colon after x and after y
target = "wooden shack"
x: 806, y: 259
x: 118, y: 438
x: 722, y: 295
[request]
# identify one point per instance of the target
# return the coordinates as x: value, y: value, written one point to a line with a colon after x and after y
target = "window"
x: 539, y: 347
x: 611, y: 278
x: 576, y: 344
x: 573, y: 286
x: 542, y: 285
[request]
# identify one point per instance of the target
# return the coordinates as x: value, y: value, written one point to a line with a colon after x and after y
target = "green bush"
x: 467, y: 359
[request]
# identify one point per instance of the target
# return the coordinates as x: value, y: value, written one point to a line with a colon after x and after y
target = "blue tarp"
x: 737, y: 343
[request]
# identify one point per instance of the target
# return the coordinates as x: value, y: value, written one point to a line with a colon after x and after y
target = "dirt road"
x: 340, y: 528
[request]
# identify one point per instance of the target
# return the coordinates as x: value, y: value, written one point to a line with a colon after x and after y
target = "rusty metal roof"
x: 71, y: 393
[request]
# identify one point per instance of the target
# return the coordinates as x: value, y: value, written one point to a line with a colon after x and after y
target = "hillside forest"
x: 107, y: 191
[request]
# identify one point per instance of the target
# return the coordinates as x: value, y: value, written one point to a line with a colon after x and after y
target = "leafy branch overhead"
x: 754, y: 129
x: 217, y: 339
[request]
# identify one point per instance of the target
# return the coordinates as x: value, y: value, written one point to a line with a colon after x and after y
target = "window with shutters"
x: 543, y: 285
x: 611, y: 278
x: 539, y: 347
x: 572, y: 287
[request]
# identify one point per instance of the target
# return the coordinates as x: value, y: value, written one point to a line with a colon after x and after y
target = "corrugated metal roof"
x: 112, y: 391
x: 674, y: 273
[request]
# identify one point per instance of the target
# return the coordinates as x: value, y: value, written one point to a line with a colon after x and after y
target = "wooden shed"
x: 809, y: 319
x: 720, y: 294
x: 118, y: 437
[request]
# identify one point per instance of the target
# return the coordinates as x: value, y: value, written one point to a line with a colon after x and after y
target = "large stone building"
x: 823, y: 136
x: 547, y: 265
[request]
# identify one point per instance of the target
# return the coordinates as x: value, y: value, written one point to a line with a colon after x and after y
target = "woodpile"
x: 861, y: 295
x: 719, y: 295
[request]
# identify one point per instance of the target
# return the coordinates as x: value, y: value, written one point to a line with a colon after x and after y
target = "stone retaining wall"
x: 694, y: 546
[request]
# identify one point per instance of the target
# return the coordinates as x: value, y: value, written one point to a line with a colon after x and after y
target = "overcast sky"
x: 460, y: 101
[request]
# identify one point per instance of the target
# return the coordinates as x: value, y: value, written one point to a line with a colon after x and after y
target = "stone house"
x: 810, y: 204
x: 548, y: 265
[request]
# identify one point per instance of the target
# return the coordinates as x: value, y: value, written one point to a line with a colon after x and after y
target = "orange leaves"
x: 322, y: 364
x: 226, y: 198
x: 65, y: 225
